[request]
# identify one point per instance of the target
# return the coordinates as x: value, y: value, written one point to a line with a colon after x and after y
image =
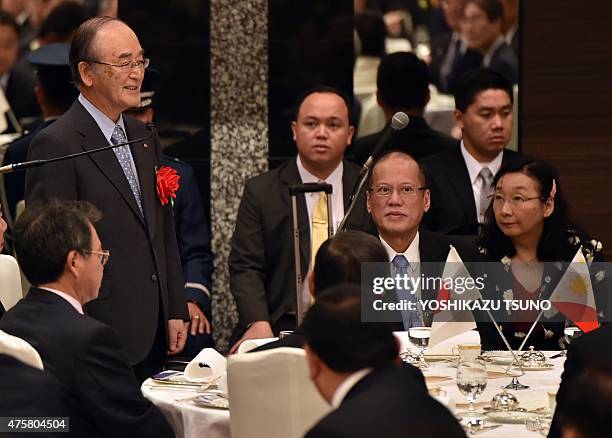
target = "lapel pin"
x: 145, y: 145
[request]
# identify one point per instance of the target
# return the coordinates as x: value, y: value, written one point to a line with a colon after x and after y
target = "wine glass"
x: 471, y: 381
x: 419, y: 335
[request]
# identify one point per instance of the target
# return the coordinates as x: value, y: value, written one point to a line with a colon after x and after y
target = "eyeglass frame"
x: 410, y: 194
x: 513, y: 201
x: 126, y: 66
x: 104, y: 255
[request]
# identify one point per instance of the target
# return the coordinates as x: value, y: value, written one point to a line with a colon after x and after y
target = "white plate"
x: 511, y: 417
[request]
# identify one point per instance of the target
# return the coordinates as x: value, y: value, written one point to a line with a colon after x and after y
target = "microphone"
x: 36, y: 163
x: 398, y: 122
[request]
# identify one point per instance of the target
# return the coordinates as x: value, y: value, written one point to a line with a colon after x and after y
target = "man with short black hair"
x: 460, y: 180
x: 353, y: 365
x: 61, y: 255
x: 339, y: 260
x: 403, y: 85
x: 261, y: 261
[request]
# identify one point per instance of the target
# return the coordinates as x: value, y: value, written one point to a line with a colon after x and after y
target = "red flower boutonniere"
x: 167, y: 183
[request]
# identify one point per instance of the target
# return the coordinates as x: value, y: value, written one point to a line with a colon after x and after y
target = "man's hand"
x: 177, y: 335
x: 199, y: 322
x: 258, y: 330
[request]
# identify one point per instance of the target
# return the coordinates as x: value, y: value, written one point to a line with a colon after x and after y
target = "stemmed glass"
x: 471, y: 381
x: 419, y: 336
x: 570, y: 332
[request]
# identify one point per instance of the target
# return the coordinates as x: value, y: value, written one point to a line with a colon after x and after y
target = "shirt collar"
x: 107, y: 126
x: 347, y: 384
x: 412, y: 252
x: 474, y: 166
x: 72, y: 300
x: 334, y: 178
x: 4, y: 80
x: 486, y: 60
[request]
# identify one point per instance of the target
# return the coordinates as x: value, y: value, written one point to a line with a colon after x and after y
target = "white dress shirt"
x: 474, y: 167
x: 337, y: 202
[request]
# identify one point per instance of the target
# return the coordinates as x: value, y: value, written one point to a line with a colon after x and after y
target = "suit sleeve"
x: 177, y: 305
x: 247, y: 260
x: 193, y: 240
x: 109, y: 391
x: 42, y: 183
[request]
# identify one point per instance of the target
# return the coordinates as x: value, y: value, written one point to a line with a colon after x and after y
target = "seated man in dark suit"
x: 353, y: 365
x: 61, y: 255
x: 589, y: 351
x: 397, y: 199
x: 460, y: 180
x: 261, y: 261
x: 403, y: 85
x: 338, y: 261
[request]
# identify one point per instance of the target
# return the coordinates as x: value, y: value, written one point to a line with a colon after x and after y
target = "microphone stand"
x: 36, y: 163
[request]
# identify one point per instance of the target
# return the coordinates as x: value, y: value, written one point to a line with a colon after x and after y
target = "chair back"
x: 271, y: 395
x: 19, y: 349
x: 10, y: 281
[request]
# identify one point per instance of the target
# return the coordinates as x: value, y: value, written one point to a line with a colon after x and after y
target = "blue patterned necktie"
x: 124, y: 155
x: 402, y: 267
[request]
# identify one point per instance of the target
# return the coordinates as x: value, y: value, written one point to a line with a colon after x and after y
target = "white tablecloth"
x: 540, y: 383
x: 187, y: 419
x: 191, y: 421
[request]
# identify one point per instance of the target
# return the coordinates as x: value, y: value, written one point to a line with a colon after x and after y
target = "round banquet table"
x: 187, y: 419
x: 191, y: 421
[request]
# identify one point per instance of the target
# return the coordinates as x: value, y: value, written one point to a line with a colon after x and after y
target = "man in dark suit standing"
x: 403, y: 85
x: 261, y: 262
x: 460, y: 180
x: 397, y: 199
x: 353, y: 365
x: 61, y: 255
x: 589, y: 351
x: 142, y: 295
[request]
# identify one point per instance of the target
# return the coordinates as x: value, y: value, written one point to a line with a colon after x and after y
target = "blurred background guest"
x: 403, y: 85
x: 483, y: 27
x: 16, y: 82
x: 450, y: 54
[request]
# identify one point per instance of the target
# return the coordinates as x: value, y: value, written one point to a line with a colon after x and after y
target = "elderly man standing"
x: 261, y: 262
x: 141, y: 295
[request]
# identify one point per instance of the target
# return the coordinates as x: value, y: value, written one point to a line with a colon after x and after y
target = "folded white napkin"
x: 251, y: 344
x: 443, y: 348
x: 209, y: 365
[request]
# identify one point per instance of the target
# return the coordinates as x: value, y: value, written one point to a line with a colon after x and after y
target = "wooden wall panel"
x: 566, y: 102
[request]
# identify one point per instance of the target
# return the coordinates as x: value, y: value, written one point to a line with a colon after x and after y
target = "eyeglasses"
x: 128, y: 65
x: 404, y: 191
x: 104, y: 255
x: 515, y: 201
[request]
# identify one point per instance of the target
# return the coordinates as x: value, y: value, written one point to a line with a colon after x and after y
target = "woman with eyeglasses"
x: 530, y: 240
